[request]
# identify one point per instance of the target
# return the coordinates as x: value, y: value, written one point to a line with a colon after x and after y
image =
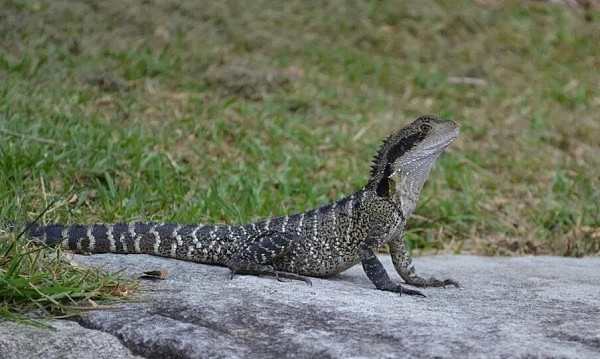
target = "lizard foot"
x: 397, y: 288
x: 431, y: 282
x: 287, y: 275
x: 247, y: 267
x: 446, y: 282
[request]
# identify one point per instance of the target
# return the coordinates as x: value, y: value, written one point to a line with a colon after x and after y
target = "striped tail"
x: 162, y: 239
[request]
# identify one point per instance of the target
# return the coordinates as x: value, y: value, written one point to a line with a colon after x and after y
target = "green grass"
x: 40, y: 282
x: 203, y: 111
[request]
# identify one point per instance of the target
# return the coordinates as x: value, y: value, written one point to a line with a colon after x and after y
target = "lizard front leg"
x: 403, y: 264
x: 373, y: 267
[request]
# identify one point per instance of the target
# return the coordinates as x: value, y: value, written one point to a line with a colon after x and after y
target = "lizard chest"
x: 330, y: 240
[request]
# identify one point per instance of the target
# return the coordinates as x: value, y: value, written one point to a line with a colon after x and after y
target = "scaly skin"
x: 318, y: 243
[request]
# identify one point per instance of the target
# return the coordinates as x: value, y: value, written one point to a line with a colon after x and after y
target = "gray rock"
x: 507, y: 307
x: 66, y: 340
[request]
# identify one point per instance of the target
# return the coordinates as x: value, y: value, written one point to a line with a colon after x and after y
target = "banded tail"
x: 189, y: 242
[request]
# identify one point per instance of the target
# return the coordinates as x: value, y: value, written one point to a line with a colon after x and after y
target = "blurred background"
x: 230, y: 111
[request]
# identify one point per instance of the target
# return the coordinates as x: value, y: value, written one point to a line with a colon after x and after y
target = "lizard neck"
x: 406, y: 184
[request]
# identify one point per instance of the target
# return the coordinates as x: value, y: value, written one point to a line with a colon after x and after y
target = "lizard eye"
x: 425, y: 127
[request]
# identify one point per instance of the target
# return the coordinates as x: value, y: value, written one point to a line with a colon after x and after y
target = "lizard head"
x: 405, y: 158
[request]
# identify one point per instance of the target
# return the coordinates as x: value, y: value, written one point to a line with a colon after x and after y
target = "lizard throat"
x: 405, y: 184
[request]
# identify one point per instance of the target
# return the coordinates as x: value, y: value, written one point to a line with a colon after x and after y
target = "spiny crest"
x: 379, y: 159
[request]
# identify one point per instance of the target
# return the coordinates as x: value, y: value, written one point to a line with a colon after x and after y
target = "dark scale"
x: 162, y: 247
x: 99, y: 231
x: 144, y: 239
x: 77, y: 235
x: 319, y: 242
x: 122, y: 237
x: 183, y: 238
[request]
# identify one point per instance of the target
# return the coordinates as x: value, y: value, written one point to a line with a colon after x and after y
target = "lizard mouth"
x: 438, y: 143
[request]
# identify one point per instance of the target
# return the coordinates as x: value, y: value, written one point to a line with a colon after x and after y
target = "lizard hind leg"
x: 257, y: 258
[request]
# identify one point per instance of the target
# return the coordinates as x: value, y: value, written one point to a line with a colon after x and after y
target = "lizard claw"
x: 417, y: 281
x: 397, y: 288
x: 450, y: 282
x: 411, y: 292
x: 287, y: 275
x: 231, y: 274
x: 434, y: 282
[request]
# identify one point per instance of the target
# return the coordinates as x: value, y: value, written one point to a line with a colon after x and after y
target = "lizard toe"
x: 450, y: 282
x: 411, y: 292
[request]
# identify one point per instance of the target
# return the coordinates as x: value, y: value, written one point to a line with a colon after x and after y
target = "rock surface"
x: 68, y: 340
x: 507, y: 307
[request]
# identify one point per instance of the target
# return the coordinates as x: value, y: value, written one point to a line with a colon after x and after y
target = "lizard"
x: 320, y: 242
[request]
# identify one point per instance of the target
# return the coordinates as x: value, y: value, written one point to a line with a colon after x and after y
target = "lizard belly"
x: 335, y: 250
x: 320, y: 258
